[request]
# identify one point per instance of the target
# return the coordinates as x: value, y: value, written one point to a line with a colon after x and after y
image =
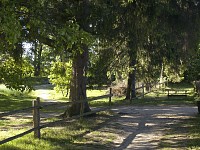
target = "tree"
x: 193, y: 69
x: 19, y: 71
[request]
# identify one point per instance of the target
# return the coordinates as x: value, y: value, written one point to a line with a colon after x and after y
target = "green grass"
x: 13, y: 100
x: 65, y: 136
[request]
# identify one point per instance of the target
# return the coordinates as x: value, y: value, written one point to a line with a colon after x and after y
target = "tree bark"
x: 128, y: 91
x: 37, y: 59
x: 131, y: 93
x: 78, y: 83
x: 133, y: 78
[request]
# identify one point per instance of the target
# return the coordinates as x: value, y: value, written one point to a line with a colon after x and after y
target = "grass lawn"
x: 13, y: 100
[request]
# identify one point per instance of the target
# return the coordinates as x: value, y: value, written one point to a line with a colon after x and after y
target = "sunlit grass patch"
x: 49, y: 94
x: 13, y: 100
x: 28, y: 143
x: 15, y: 121
x: 95, y: 93
x: 11, y: 131
x: 102, y: 137
x: 7, y: 92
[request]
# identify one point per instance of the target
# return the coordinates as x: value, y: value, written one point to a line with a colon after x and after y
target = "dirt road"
x: 142, y: 128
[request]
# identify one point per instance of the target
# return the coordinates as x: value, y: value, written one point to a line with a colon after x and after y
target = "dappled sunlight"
x: 133, y: 127
x: 150, y: 124
x: 6, y: 133
x: 171, y: 116
x: 145, y: 140
x: 100, y: 137
x: 15, y: 122
x: 144, y: 126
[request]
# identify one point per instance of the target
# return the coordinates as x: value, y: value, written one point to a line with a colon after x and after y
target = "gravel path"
x: 141, y: 128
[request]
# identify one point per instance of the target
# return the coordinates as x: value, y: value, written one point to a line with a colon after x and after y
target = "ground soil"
x: 145, y: 128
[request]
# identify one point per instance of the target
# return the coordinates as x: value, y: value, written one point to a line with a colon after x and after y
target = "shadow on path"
x: 144, y: 127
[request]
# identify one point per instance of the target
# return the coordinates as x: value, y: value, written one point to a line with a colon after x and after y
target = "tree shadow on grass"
x: 67, y: 144
x: 78, y: 140
x: 184, y: 134
x: 9, y: 103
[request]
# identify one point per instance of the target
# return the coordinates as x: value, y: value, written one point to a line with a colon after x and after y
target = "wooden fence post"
x: 110, y: 96
x: 36, y: 117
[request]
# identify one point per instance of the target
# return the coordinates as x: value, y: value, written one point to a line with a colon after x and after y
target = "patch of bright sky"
x: 26, y: 45
x: 27, y: 49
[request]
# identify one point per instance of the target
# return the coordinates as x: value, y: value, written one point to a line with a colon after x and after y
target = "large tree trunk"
x: 130, y: 92
x: 133, y: 81
x: 78, y: 83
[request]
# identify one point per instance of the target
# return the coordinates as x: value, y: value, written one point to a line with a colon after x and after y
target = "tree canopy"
x: 104, y: 40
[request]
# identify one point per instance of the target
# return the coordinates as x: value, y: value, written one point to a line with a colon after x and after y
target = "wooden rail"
x: 151, y: 86
x: 36, y: 106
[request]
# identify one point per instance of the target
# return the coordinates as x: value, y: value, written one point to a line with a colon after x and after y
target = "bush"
x: 119, y: 89
x: 15, y: 74
x: 60, y: 76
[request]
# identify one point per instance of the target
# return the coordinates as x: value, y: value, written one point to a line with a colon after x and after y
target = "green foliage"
x: 193, y: 69
x: 173, y: 73
x: 100, y: 60
x: 15, y: 74
x: 10, y: 24
x: 60, y: 75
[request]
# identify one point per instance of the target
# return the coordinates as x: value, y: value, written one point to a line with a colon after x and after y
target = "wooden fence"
x: 36, y: 106
x: 151, y: 87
